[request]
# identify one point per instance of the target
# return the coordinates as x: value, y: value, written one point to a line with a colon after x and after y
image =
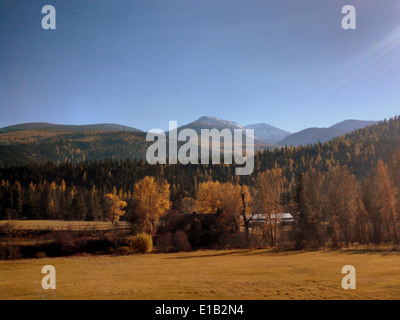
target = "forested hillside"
x: 58, y: 146
x: 63, y: 127
x: 315, y: 135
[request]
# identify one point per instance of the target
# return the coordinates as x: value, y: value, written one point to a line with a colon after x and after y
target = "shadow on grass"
x: 372, y: 252
x: 207, y: 255
x: 242, y: 252
x: 361, y: 252
x: 279, y: 252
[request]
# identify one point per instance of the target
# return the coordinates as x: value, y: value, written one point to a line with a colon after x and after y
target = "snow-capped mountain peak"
x: 218, y: 122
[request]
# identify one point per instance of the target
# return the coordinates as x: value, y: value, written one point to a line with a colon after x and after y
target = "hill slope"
x: 314, y: 135
x: 268, y: 134
x: 63, y: 127
x: 39, y: 146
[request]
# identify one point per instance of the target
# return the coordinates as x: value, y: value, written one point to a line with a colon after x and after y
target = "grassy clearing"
x: 244, y: 274
x: 58, y: 225
x: 30, y: 237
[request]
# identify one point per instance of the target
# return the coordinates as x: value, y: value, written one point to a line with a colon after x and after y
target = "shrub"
x: 126, y: 241
x: 181, y: 242
x: 164, y: 242
x: 63, y: 243
x: 6, y: 228
x: 124, y: 250
x: 240, y: 241
x: 110, y: 250
x: 142, y: 243
x: 10, y: 253
x: 41, y: 255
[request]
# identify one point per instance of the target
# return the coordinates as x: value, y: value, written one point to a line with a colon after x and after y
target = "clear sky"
x: 142, y: 63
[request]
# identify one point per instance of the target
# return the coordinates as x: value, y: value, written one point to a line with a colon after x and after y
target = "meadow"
x: 234, y: 274
x: 57, y: 225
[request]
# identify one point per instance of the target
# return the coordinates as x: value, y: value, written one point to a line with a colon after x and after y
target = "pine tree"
x: 78, y: 206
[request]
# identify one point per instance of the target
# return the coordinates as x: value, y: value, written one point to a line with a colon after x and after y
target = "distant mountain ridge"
x: 207, y: 122
x: 218, y: 123
x: 63, y: 127
x: 264, y: 134
x: 267, y: 133
x: 315, y: 135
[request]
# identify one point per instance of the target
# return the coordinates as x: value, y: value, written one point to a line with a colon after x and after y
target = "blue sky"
x: 142, y: 63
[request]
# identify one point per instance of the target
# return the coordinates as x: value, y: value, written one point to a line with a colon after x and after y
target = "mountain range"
x: 41, y: 142
x: 264, y: 134
x: 315, y: 135
x: 270, y: 136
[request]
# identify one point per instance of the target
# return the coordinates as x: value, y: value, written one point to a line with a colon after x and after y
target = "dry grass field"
x: 57, y: 225
x: 243, y: 274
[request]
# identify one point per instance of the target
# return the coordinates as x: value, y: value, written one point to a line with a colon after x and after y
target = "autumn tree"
x: 224, y: 199
x: 310, y: 197
x: 209, y: 197
x: 394, y: 173
x: 305, y: 228
x: 269, y: 186
x: 246, y: 211
x: 231, y: 205
x: 342, y: 203
x: 151, y: 201
x: 370, y: 202
x: 116, y: 206
x: 386, y: 202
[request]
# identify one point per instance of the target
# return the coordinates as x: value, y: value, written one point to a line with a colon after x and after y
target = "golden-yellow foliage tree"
x: 151, y: 200
x: 116, y: 207
x: 341, y: 205
x: 208, y: 199
x: 269, y: 186
x: 225, y: 198
x: 232, y: 204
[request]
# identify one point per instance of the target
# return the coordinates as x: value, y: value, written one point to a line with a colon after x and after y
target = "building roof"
x: 279, y: 216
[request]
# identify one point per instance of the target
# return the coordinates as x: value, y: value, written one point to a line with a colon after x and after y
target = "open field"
x: 38, y: 233
x: 59, y: 225
x: 243, y: 274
